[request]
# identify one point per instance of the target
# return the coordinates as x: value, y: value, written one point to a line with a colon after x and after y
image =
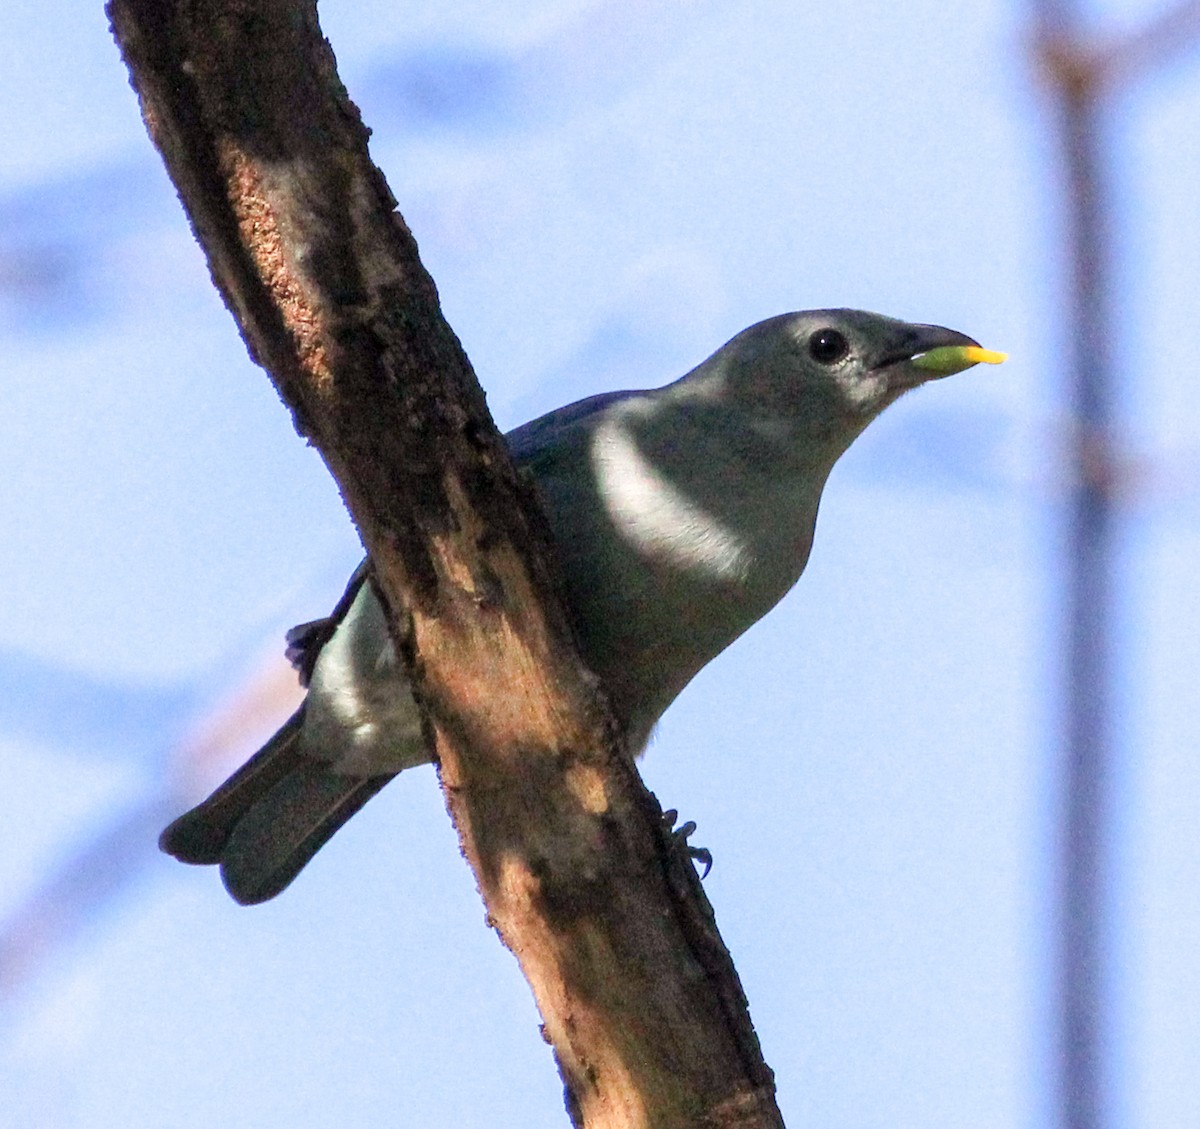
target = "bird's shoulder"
x: 535, y: 444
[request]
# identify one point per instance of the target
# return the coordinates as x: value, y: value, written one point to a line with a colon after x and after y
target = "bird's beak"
x: 929, y: 352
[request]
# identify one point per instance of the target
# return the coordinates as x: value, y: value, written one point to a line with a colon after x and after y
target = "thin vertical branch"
x: 1089, y: 578
x: 1084, y: 865
x: 1082, y: 74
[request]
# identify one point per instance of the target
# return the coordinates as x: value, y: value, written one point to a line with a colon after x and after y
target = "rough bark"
x: 639, y: 999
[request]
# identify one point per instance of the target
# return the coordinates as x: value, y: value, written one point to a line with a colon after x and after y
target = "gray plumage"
x: 681, y: 515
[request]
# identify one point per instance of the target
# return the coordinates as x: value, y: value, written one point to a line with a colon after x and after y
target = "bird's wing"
x: 543, y: 435
x: 305, y: 640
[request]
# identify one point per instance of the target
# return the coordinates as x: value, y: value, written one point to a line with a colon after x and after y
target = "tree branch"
x: 640, y: 1001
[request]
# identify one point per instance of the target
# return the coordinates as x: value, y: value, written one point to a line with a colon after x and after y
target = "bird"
x: 681, y: 515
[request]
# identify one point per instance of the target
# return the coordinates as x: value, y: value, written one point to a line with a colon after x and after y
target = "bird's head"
x: 823, y: 375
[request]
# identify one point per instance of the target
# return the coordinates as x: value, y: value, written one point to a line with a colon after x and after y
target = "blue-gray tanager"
x: 681, y: 515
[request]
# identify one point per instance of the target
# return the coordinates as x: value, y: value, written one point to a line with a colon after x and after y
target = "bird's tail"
x: 269, y: 818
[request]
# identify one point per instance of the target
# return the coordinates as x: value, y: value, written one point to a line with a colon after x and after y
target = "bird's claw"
x: 701, y: 855
x: 681, y: 834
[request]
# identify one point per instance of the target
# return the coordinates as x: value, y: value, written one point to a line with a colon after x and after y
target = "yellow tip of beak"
x: 949, y: 359
x: 984, y: 356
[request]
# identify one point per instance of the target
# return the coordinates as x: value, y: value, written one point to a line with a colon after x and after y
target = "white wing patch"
x: 654, y: 516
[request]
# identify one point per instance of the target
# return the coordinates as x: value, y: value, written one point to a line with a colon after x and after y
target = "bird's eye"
x: 828, y: 346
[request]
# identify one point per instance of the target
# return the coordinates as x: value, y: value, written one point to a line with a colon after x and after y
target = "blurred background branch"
x: 1082, y: 72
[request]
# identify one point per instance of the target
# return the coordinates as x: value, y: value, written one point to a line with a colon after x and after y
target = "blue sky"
x: 605, y: 193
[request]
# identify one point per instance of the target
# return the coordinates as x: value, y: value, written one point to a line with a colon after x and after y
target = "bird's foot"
x: 681, y: 835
